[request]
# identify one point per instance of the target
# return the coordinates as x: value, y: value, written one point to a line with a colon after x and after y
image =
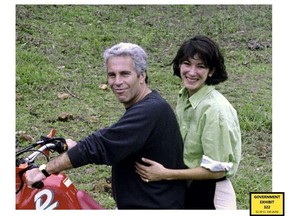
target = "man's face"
x: 123, y: 79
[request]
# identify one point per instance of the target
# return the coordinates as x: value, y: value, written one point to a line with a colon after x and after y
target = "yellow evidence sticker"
x: 266, y: 203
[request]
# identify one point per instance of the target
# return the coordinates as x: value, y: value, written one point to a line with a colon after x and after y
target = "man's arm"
x: 60, y: 163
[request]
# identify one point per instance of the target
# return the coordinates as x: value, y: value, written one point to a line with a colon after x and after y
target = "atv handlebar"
x: 46, y: 144
x: 34, y: 155
x: 59, y: 145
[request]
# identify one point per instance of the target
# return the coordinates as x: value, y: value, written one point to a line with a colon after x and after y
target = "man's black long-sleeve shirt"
x: 147, y: 129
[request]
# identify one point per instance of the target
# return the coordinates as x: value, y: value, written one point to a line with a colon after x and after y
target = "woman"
x: 209, y: 127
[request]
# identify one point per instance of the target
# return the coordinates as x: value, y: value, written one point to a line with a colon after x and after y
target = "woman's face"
x: 194, y: 74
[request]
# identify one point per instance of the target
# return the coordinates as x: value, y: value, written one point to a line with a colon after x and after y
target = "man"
x: 147, y: 129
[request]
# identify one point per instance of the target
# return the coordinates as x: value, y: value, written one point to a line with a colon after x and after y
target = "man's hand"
x: 33, y: 175
x: 71, y: 143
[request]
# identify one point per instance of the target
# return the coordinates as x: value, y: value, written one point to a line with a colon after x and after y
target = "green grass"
x: 59, y: 50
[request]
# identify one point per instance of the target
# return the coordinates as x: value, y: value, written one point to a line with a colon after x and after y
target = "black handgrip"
x: 38, y: 185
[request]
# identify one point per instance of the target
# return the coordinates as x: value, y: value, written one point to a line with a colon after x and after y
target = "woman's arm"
x: 156, y: 172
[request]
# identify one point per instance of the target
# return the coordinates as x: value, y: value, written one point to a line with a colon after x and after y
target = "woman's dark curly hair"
x: 208, y: 51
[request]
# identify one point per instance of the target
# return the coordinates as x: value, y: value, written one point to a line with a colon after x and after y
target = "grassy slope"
x: 59, y: 50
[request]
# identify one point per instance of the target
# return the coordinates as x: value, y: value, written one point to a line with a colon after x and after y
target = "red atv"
x: 56, y: 191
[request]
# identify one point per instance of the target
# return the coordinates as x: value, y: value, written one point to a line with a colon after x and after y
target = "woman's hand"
x: 153, y: 172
